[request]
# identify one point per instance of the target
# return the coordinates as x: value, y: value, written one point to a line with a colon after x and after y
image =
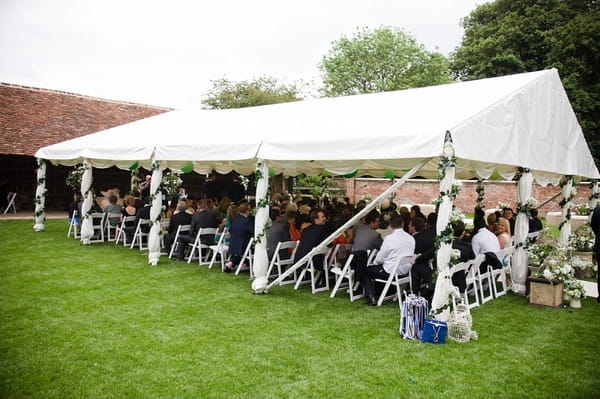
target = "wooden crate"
x: 542, y: 293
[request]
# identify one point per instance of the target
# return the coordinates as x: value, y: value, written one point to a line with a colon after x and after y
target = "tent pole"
x: 443, y: 285
x: 565, y: 224
x: 261, y: 224
x: 594, y: 194
x: 518, y: 274
x: 371, y: 205
x: 87, y: 227
x: 40, y: 196
x: 156, y: 208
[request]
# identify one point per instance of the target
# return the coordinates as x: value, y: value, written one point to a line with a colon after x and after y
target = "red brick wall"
x: 423, y: 191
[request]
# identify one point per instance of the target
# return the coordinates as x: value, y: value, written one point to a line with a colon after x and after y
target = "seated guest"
x: 75, y: 205
x: 203, y: 218
x: 503, y: 232
x: 312, y: 236
x: 485, y: 241
x: 113, y: 208
x: 415, y: 211
x: 421, y: 272
x: 276, y: 233
x: 394, y: 246
x: 366, y: 238
x: 509, y: 215
x: 179, y: 218
x: 242, y: 230
x: 466, y: 253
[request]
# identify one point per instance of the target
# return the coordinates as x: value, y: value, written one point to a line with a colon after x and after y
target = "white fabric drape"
x: 519, y: 268
x: 40, y: 196
x: 87, y: 226
x: 594, y: 196
x: 156, y: 195
x: 565, y: 226
x: 260, y: 261
x: 443, y: 284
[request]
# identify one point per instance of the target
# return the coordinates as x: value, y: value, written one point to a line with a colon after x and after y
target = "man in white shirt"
x: 395, y: 246
x: 484, y: 241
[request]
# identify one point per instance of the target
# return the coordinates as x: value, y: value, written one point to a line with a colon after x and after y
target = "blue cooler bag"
x: 434, y: 331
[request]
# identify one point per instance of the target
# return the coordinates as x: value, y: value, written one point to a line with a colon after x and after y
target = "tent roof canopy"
x: 496, y: 124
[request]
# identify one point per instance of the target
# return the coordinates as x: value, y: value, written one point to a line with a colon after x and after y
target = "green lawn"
x: 98, y: 322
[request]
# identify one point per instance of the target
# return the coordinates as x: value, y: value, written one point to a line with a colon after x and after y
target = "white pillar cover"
x: 154, y: 235
x: 565, y: 231
x: 40, y: 196
x: 443, y: 284
x: 595, y: 190
x: 518, y: 274
x: 261, y: 261
x: 87, y: 226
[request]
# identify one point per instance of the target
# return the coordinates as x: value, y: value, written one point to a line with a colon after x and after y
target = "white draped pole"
x: 518, y: 273
x: 440, y: 308
x: 595, y: 194
x: 40, y: 196
x: 261, y: 224
x: 155, y: 210
x: 568, y: 193
x: 87, y: 226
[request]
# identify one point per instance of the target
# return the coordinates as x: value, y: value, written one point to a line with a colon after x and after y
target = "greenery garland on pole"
x: 261, y: 203
x: 565, y: 202
x: 40, y: 196
x: 480, y: 190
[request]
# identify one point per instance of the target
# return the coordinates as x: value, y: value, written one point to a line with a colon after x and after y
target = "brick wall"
x: 423, y: 191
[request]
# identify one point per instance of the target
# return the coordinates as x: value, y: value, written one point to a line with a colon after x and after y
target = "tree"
x: 260, y: 91
x: 378, y: 60
x: 514, y: 36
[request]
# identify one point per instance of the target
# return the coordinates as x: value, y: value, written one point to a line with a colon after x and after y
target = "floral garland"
x: 480, y: 190
x: 445, y: 162
x: 262, y: 203
x: 566, y: 201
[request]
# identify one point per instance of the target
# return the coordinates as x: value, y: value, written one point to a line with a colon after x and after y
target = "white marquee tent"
x: 498, y: 124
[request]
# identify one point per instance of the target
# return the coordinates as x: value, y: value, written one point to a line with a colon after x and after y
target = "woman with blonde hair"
x: 503, y: 232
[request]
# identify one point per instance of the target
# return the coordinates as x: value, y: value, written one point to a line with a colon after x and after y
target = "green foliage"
x: 513, y: 36
x: 260, y: 91
x: 96, y: 321
x: 378, y: 60
x: 315, y: 183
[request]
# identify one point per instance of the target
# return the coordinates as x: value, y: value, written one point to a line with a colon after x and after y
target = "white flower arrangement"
x: 456, y: 215
x: 583, y: 209
x: 531, y: 203
x: 556, y: 267
x: 502, y: 205
x: 574, y: 289
x: 170, y: 183
x: 582, y: 239
x: 581, y: 264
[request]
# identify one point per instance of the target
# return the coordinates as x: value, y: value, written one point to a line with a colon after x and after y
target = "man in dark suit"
x: 179, y: 218
x: 466, y: 253
x: 421, y: 272
x: 595, y: 224
x: 312, y: 236
x: 203, y: 218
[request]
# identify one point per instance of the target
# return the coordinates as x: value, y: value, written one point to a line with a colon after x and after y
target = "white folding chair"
x: 472, y: 278
x: 140, y: 237
x: 98, y: 226
x: 339, y: 254
x: 221, y: 248
x: 246, y: 259
x: 73, y: 225
x: 182, y: 229
x: 315, y: 273
x: 109, y: 228
x: 398, y: 281
x: 467, y: 268
x: 11, y: 203
x: 498, y: 276
x: 282, y: 264
x: 345, y: 280
x: 164, y: 226
x: 200, y: 247
x: 485, y: 283
x: 121, y: 234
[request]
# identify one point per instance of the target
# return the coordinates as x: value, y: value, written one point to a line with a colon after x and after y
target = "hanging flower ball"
x: 352, y: 174
x: 389, y: 174
x: 272, y: 172
x: 134, y: 165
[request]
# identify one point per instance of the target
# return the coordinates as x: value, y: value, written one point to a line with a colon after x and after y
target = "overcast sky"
x: 167, y: 52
